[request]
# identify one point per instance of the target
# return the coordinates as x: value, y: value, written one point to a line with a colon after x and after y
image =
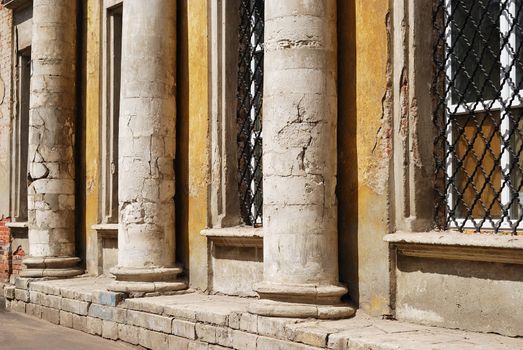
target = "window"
x: 249, y: 110
x: 478, y: 114
x: 111, y: 113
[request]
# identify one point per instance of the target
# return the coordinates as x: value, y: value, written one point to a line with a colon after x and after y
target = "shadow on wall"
x: 182, y: 138
x: 347, y: 188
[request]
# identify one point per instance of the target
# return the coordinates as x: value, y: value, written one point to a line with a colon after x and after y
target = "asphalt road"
x: 21, y: 332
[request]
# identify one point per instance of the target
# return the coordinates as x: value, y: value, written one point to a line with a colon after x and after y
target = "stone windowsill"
x: 106, y: 230
x: 235, y: 236
x: 17, y: 225
x: 16, y: 4
x: 459, y: 246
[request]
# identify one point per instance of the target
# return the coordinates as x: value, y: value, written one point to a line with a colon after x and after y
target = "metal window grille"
x: 478, y: 110
x: 249, y: 113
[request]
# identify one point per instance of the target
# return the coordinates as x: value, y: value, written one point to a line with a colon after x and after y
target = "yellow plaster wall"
x: 192, y: 139
x: 91, y: 129
x: 364, y: 152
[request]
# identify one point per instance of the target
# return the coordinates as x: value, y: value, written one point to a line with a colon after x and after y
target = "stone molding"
x: 224, y: 209
x: 459, y: 246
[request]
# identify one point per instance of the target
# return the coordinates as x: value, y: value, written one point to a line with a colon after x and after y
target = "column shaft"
x: 299, y: 159
x: 51, y: 178
x: 146, y: 149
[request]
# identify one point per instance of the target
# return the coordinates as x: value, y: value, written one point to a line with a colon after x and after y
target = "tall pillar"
x: 299, y: 163
x: 146, y: 149
x: 51, y: 175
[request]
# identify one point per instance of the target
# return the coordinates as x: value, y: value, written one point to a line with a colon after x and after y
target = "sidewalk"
x: 199, y: 321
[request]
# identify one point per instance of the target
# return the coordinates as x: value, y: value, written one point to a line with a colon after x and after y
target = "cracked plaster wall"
x: 51, y: 193
x: 365, y: 151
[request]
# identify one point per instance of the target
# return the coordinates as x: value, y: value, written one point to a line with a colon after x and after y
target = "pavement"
x: 21, y: 332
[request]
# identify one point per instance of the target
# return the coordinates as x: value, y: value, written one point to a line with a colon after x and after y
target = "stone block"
x: 109, y: 330
x: 184, y: 329
x: 128, y: 333
x: 264, y: 343
x: 22, y: 294
x: 274, y: 326
x: 66, y: 319
x: 234, y: 320
x: 177, y: 343
x: 149, y: 321
x: 206, y: 332
x: 80, y: 323
x: 180, y: 312
x: 9, y: 292
x: 75, y: 294
x: 36, y: 297
x: 75, y: 306
x: 94, y: 326
x: 138, y: 304
x: 242, y: 340
x: 51, y: 315
x: 224, y: 336
x: 33, y: 310
x: 144, y: 338
x: 18, y: 306
x: 198, y: 345
x: 218, y: 347
x: 51, y: 301
x: 309, y: 335
x: 213, y: 316
x: 153, y: 340
x: 45, y: 288
x: 107, y: 298
x: 107, y: 313
x: 22, y: 283
x: 249, y: 322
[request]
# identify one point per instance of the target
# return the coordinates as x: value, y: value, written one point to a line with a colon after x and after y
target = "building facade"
x: 317, y: 157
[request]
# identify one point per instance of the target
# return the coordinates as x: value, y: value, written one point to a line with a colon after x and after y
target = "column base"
x: 146, y: 280
x: 56, y: 267
x: 301, y: 301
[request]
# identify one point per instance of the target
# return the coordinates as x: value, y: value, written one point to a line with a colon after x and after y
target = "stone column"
x: 51, y: 175
x: 299, y: 163
x: 146, y: 149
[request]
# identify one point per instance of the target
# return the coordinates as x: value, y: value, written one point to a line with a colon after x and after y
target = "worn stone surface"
x: 51, y: 178
x: 146, y: 143
x: 224, y: 315
x: 489, y: 291
x: 299, y: 153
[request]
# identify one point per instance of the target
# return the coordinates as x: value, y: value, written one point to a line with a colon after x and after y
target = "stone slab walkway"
x: 199, y: 321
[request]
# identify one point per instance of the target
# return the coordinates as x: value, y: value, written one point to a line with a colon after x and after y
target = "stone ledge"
x: 235, y: 236
x: 196, y: 320
x: 17, y: 225
x: 459, y: 246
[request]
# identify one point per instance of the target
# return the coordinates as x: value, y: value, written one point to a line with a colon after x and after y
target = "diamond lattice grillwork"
x: 478, y: 114
x: 249, y: 114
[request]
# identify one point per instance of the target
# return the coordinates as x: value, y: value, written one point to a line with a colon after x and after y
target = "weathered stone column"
x: 146, y: 147
x: 299, y: 163
x: 51, y: 192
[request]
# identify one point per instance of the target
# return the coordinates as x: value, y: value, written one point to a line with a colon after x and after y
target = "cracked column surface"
x: 299, y: 163
x: 146, y: 147
x: 51, y: 176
